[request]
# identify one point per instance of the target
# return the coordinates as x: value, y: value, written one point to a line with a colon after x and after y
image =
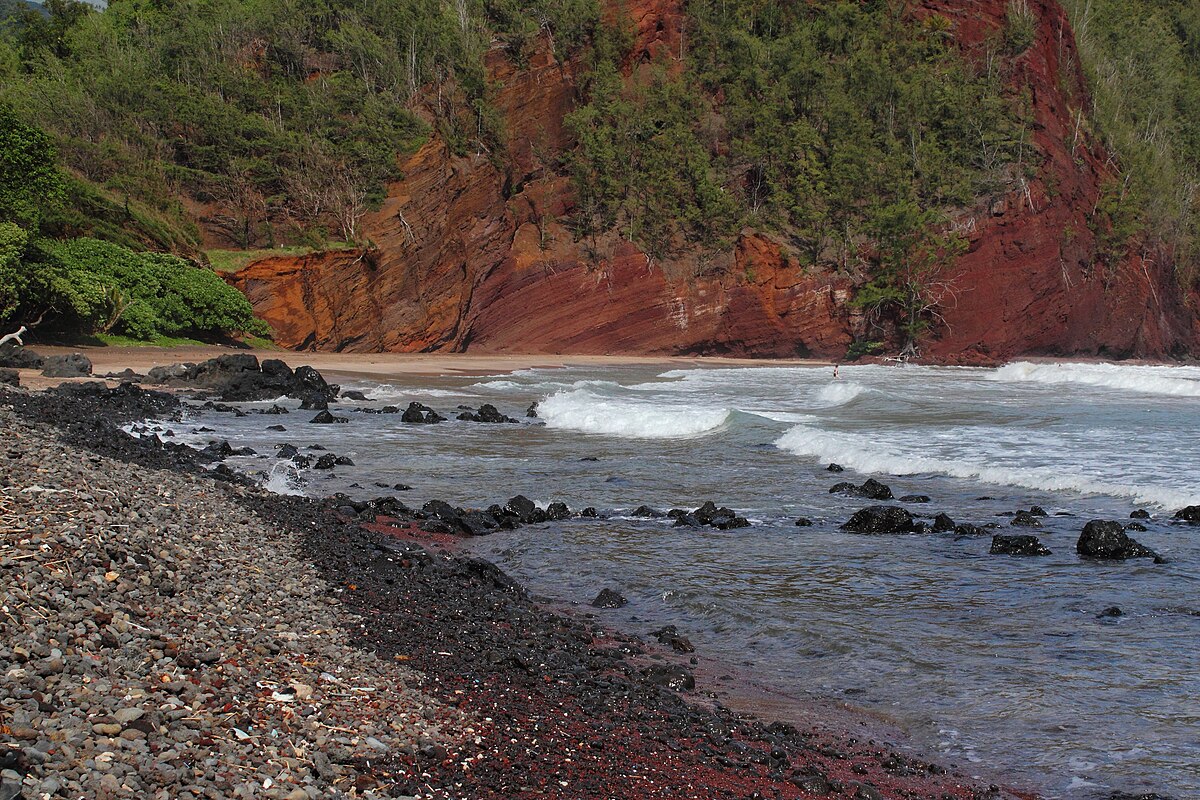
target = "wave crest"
x: 1173, y: 381
x: 867, y: 455
x: 584, y: 411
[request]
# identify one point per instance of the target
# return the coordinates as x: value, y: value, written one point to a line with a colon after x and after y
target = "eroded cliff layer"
x: 469, y: 255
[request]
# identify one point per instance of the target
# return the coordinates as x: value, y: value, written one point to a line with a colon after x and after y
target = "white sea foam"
x: 868, y: 455
x: 284, y: 478
x: 838, y: 393
x: 1174, y: 381
x: 585, y: 411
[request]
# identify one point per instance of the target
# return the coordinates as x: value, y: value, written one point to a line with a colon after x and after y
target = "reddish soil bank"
x: 471, y: 256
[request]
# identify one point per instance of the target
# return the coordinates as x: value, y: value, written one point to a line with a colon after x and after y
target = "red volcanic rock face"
x: 471, y: 256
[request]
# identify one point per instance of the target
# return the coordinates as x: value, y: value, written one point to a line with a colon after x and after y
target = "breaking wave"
x: 584, y: 411
x: 867, y: 455
x: 1173, y: 381
x: 839, y: 393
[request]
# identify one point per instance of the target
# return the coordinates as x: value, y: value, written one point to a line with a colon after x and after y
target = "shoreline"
x: 280, y: 506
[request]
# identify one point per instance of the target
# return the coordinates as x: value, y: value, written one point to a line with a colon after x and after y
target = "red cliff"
x: 469, y: 255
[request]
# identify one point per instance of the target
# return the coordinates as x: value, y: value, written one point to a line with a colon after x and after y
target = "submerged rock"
x: 1025, y: 519
x: 883, y: 519
x: 804, y: 522
x: 1018, y: 544
x: 1107, y: 540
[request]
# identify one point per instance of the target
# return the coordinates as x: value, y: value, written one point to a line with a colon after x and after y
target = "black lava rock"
x: 524, y: 510
x: 557, y: 511
x: 942, y: 522
x: 326, y: 461
x: 870, y: 489
x: 1135, y: 526
x: 276, y: 428
x: 883, y: 519
x: 353, y: 394
x: 1018, y: 544
x: 420, y: 413
x: 609, y: 598
x: 672, y: 676
x: 1025, y: 519
x: 648, y: 512
x: 532, y: 410
x: 804, y: 522
x: 72, y: 365
x: 325, y: 418
x: 1107, y: 540
x: 1142, y: 513
x: 1189, y: 514
x: 670, y: 636
x: 14, y: 356
x: 343, y: 461
x: 487, y: 413
x: 835, y: 468
x: 914, y: 498
x: 9, y: 377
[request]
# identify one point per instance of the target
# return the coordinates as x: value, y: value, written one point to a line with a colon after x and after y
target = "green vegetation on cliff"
x: 854, y: 131
x: 1142, y: 60
x: 269, y: 120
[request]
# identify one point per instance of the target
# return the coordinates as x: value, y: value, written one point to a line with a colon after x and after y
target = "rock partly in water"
x: 804, y: 522
x: 722, y: 518
x: 883, y: 519
x: 1107, y: 540
x: 870, y: 489
x: 609, y: 598
x: 326, y: 418
x: 1142, y: 513
x: 942, y: 522
x: 420, y: 413
x: 1018, y: 544
x: 1189, y: 514
x: 669, y: 635
x: 487, y: 413
x: 1025, y: 519
x: 835, y: 468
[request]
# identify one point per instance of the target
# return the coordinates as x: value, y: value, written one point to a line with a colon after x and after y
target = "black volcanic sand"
x: 561, y: 707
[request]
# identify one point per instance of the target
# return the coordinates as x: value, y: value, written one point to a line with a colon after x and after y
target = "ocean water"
x: 1001, y: 664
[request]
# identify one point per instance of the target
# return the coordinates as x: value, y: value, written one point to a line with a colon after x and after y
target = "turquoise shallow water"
x: 991, y: 659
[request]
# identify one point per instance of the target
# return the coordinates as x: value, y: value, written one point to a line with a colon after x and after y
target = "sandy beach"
x: 374, y: 366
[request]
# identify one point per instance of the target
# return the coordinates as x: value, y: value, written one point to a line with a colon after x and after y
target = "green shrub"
x: 143, y: 295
